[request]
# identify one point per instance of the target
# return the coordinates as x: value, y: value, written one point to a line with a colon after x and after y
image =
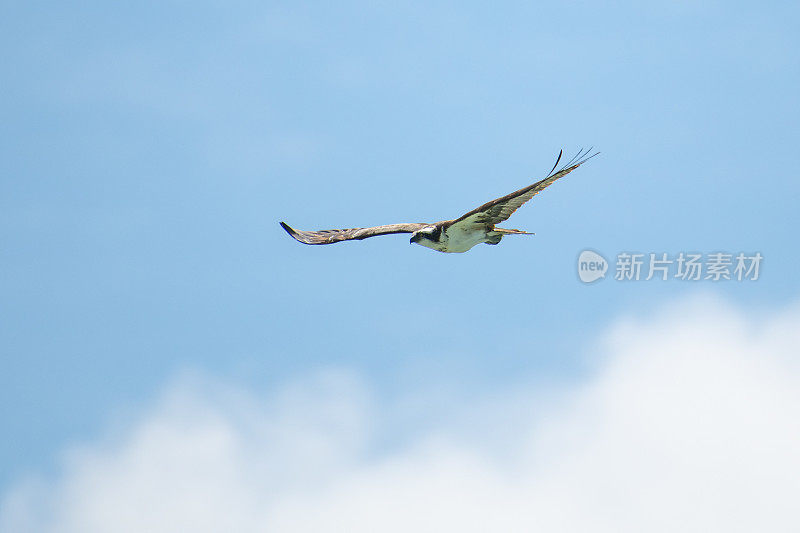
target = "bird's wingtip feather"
x: 288, y: 229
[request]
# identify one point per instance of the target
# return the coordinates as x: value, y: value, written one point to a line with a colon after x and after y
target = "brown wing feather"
x: 500, y: 209
x: 330, y: 236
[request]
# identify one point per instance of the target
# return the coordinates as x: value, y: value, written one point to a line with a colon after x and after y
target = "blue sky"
x: 148, y: 150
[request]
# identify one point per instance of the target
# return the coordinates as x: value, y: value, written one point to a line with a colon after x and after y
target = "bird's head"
x: 429, y: 233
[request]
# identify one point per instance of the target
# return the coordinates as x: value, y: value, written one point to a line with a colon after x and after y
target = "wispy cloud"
x: 688, y: 422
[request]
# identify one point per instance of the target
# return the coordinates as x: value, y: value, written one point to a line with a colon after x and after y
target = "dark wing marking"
x: 499, y: 210
x: 330, y: 236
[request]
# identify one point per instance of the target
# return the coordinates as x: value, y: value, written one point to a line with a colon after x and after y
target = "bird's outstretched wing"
x: 499, y: 210
x: 330, y: 236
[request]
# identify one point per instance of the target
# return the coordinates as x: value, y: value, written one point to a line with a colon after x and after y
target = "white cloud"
x: 690, y: 421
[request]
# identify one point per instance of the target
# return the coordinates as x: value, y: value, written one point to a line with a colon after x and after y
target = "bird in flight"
x: 461, y: 234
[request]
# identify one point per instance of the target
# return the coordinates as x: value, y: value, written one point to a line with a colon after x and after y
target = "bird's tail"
x: 512, y: 231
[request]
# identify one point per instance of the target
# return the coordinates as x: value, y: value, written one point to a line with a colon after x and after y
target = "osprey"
x: 453, y: 236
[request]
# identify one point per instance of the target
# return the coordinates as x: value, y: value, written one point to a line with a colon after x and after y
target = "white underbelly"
x: 461, y: 241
